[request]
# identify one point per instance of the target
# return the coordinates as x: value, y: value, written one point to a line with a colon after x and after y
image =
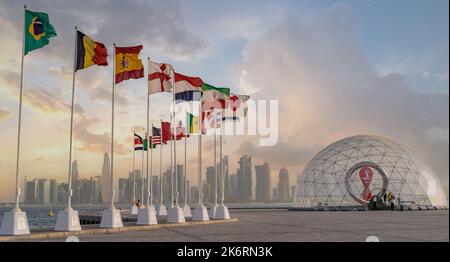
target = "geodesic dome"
x: 350, y: 171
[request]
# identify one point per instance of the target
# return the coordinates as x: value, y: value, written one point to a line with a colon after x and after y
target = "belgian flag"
x: 90, y: 52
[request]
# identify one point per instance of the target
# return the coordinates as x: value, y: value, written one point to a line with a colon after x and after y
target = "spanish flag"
x: 128, y: 65
x: 90, y: 52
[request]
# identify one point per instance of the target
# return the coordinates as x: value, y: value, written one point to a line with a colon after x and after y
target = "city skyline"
x: 386, y: 62
x: 87, y: 190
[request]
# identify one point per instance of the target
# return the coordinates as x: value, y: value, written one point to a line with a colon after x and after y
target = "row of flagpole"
x: 15, y: 222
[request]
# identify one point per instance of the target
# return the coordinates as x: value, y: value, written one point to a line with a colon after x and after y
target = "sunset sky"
x: 337, y: 68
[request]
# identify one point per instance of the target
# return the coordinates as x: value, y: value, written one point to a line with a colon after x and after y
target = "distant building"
x: 293, y: 191
x: 62, y: 195
x: 194, y: 195
x: 180, y: 183
x: 105, y: 180
x: 155, y: 188
x: 53, y: 191
x: 41, y: 188
x: 283, y: 185
x: 226, y: 174
x: 123, y: 197
x: 275, y: 193
x: 244, y: 177
x: 208, y: 191
x: 30, y: 197
x: 167, y: 187
x: 263, y: 183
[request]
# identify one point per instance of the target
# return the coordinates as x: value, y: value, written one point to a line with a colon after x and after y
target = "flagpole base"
x: 68, y: 220
x: 134, y: 210
x: 111, y: 218
x: 147, y: 216
x: 187, y: 211
x: 212, y: 211
x: 222, y: 213
x: 200, y: 214
x: 15, y: 223
x: 176, y: 215
x: 161, y: 210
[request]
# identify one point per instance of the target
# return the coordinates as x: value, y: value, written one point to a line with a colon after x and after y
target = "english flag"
x: 159, y: 77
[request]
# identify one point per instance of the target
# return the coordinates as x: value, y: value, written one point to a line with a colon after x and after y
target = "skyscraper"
x: 245, y: 183
x: 123, y: 184
x: 41, y: 199
x: 210, y: 182
x: 263, y: 183
x: 180, y: 182
x: 53, y: 191
x: 226, y: 175
x: 283, y: 185
x: 75, y: 175
x: 155, y: 188
x: 167, y: 186
x: 105, y: 180
x: 31, y: 192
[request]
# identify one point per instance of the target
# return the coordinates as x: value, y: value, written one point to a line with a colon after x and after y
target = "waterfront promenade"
x: 283, y: 225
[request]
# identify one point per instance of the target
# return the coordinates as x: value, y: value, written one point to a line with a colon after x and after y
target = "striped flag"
x: 156, y: 136
x: 138, y: 142
x: 187, y: 88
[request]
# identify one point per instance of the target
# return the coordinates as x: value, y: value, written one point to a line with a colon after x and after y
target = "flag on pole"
x: 145, y: 144
x: 191, y: 124
x: 180, y: 131
x: 166, y: 134
x: 159, y: 77
x: 212, y: 93
x: 128, y: 65
x: 138, y: 142
x: 38, y: 30
x: 156, y: 136
x: 235, y: 107
x: 214, y: 120
x: 187, y: 88
x: 90, y: 52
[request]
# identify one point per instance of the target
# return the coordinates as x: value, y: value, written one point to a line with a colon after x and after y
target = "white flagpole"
x: 11, y: 219
x: 185, y: 167
x: 15, y: 222
x: 69, y: 195
x: 171, y: 172
x: 17, y: 209
x: 221, y: 162
x: 142, y: 174
x: 111, y: 217
x: 200, y: 183
x: 160, y: 171
x: 134, y: 173
x: 112, y: 129
x: 174, y: 139
x: 215, y: 169
x: 151, y: 167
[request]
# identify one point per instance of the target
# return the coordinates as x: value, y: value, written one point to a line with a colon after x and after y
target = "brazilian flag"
x: 38, y: 30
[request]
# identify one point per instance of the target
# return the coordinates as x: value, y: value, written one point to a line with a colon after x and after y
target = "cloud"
x: 4, y: 113
x: 329, y: 90
x: 37, y: 98
x: 94, y: 83
x: 158, y: 24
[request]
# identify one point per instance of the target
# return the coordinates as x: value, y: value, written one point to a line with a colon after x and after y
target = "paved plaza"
x: 284, y: 225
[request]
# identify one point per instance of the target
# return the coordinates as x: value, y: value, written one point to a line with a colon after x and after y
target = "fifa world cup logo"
x: 366, y: 174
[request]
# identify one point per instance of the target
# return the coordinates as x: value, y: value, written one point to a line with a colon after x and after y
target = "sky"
x: 337, y: 69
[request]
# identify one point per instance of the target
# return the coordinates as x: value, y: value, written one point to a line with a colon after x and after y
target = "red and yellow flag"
x: 128, y: 65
